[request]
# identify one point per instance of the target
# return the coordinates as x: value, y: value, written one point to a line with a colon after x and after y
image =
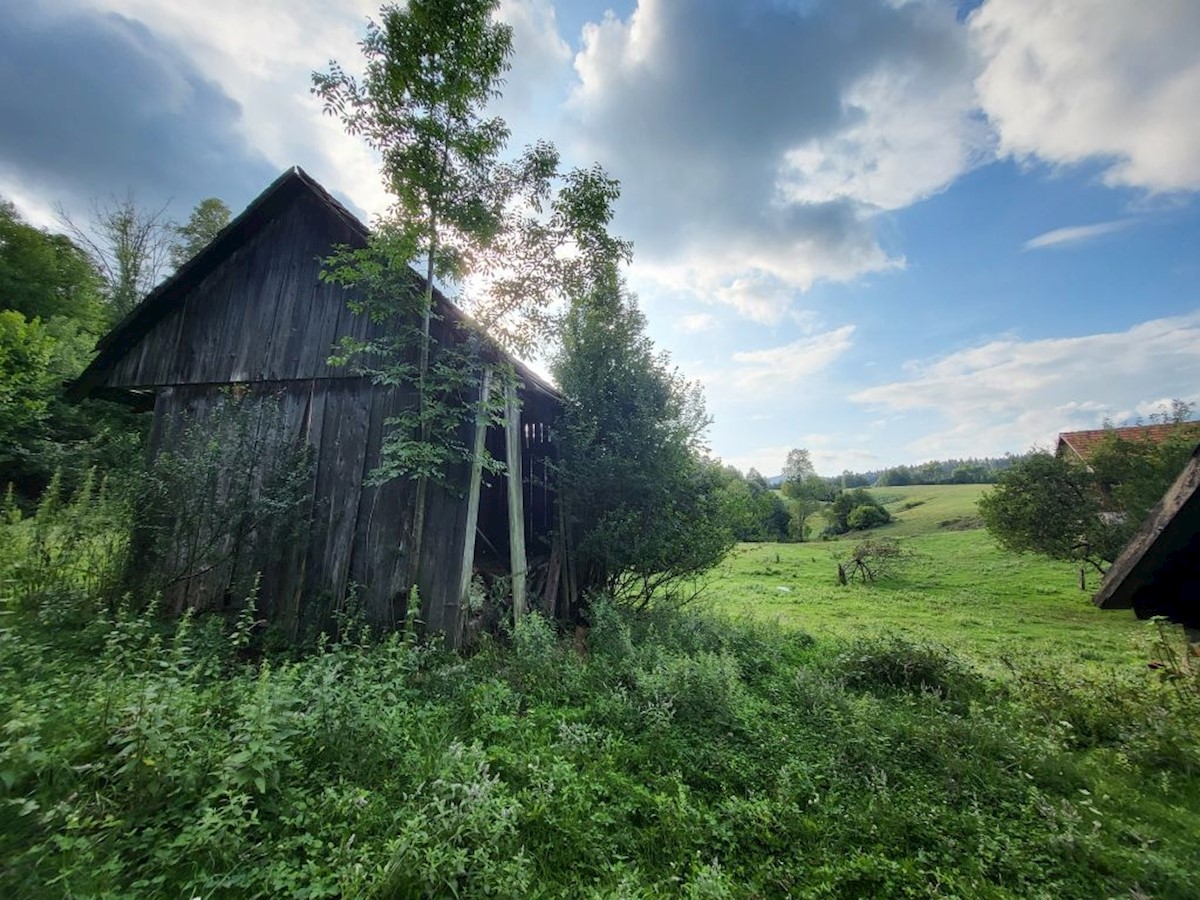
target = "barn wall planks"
x: 262, y: 316
x: 250, y: 317
x: 384, y: 522
x: 357, y: 532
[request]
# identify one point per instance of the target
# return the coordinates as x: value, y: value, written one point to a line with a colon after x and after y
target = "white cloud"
x: 541, y: 60
x: 757, y: 143
x: 910, y: 136
x: 697, y: 322
x: 1009, y: 394
x: 262, y: 54
x: 783, y: 367
x: 1075, y: 234
x: 34, y: 209
x: 1069, y: 81
x: 768, y: 460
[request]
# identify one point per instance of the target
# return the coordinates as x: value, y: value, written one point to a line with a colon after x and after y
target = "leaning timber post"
x: 455, y: 616
x: 516, y: 509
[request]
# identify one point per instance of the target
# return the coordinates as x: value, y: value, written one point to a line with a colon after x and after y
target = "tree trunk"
x: 422, y: 492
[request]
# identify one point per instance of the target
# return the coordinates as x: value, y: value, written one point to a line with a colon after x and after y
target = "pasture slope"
x: 959, y: 590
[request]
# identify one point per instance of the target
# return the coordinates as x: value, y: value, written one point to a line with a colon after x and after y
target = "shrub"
x: 864, y: 517
x: 887, y: 665
x: 859, y: 504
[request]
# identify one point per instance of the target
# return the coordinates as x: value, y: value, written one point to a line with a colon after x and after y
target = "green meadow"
x: 958, y: 589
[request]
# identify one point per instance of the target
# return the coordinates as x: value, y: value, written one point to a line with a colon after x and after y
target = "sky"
x: 887, y: 231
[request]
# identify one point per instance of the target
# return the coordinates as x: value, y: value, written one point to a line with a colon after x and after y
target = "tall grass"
x: 677, y: 753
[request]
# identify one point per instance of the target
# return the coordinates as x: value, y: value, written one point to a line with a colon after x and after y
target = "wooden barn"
x: 248, y: 319
x: 1080, y: 445
x: 1158, y: 572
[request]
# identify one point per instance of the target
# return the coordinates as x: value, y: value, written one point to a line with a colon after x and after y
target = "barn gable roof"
x: 1084, y: 443
x: 279, y: 196
x: 1168, y: 535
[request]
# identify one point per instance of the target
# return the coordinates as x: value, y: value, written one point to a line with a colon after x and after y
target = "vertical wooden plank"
x: 550, y: 595
x: 473, y: 486
x: 570, y: 576
x: 380, y: 559
x: 347, y: 458
x: 516, y: 514
x: 441, y: 554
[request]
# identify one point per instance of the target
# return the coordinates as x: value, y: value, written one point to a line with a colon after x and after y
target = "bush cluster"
x: 855, y: 510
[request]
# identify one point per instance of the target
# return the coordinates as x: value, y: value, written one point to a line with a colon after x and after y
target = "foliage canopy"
x: 1064, y: 509
x: 645, y: 509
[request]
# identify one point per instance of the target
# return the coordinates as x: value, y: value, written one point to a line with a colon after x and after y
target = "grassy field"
x: 960, y: 589
x: 674, y: 753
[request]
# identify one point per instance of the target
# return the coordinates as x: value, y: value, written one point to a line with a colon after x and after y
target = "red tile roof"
x: 1084, y: 443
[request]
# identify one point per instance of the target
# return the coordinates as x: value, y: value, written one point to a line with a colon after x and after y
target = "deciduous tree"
x: 798, y: 466
x: 1053, y: 507
x: 52, y: 309
x: 431, y: 68
x: 461, y: 212
x: 44, y: 275
x: 206, y: 221
x: 129, y: 245
x: 1064, y: 509
x: 644, y: 507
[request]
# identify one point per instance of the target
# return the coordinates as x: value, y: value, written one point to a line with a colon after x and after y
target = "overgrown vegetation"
x: 1066, y: 509
x: 647, y: 514
x: 680, y: 754
x: 672, y: 752
x: 53, y: 306
x: 151, y: 749
x: 230, y: 498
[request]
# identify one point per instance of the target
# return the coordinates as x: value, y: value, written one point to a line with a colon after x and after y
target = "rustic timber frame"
x: 250, y: 316
x: 1158, y: 572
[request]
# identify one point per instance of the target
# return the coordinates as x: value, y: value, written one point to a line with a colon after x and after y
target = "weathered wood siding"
x: 252, y: 315
x: 263, y: 315
x: 358, y: 533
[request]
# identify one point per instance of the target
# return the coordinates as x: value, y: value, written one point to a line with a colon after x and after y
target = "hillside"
x: 929, y: 509
x: 960, y: 589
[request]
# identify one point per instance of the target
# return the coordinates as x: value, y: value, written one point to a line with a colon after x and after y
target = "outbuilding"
x: 249, y: 320
x: 1158, y: 572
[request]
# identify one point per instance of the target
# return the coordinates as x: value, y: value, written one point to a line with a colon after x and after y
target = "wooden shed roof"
x: 1168, y: 534
x: 266, y: 207
x: 1084, y: 443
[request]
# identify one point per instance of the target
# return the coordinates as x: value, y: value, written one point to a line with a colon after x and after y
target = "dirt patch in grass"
x: 961, y: 523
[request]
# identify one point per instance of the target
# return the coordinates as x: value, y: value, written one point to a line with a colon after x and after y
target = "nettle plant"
x: 231, y: 482
x: 71, y: 553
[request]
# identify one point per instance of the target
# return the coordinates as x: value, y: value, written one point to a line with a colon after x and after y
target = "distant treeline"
x: 940, y: 471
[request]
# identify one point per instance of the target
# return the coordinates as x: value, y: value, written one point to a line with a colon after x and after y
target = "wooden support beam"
x: 516, y: 508
x: 550, y: 594
x: 456, y: 619
x: 569, y: 576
